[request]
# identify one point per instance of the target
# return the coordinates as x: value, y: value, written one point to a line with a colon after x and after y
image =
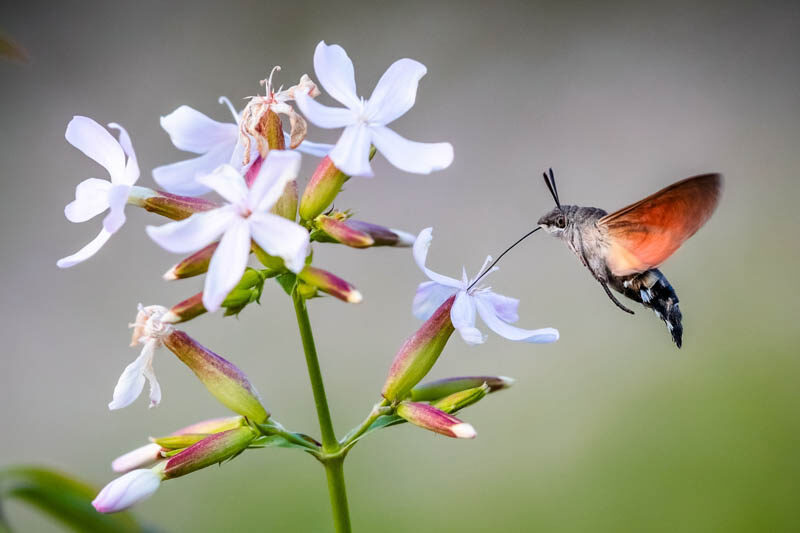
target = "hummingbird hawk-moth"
x: 623, y: 249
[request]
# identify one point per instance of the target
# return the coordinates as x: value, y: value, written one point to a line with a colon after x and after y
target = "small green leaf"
x: 63, y: 498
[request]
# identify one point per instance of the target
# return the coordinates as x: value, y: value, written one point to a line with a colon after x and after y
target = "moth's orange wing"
x: 645, y: 234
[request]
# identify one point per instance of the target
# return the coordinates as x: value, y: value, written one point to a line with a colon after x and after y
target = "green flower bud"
x: 459, y: 400
x: 433, y: 390
x: 211, y: 450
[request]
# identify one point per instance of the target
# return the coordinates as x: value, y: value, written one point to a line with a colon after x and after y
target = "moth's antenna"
x: 499, y: 257
x: 555, y: 189
x: 551, y: 185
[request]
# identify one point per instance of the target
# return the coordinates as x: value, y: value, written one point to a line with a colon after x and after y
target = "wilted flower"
x: 128, y: 490
x: 93, y: 196
x: 496, y: 310
x: 246, y: 216
x: 365, y: 120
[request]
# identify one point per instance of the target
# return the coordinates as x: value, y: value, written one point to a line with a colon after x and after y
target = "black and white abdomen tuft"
x: 652, y: 290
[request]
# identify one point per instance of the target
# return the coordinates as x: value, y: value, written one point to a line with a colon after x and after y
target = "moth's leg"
x: 614, y: 298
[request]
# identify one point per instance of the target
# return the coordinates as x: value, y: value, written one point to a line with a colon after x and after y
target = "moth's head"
x: 557, y: 220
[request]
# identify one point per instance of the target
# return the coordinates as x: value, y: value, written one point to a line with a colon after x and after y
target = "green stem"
x: 334, y: 466
x: 378, y: 410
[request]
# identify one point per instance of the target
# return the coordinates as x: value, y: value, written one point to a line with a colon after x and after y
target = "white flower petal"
x: 323, y: 116
x: 96, y: 142
x: 117, y: 198
x: 310, y: 148
x: 419, y: 158
x: 336, y: 74
x: 395, y: 92
x: 227, y: 264
x: 420, y: 252
x: 280, y: 237
x: 462, y: 315
x: 86, y: 252
x: 192, y: 131
x: 351, y: 153
x: 181, y: 177
x: 430, y: 295
x: 279, y: 168
x: 127, y: 490
x: 142, y: 456
x: 91, y: 199
x: 132, y: 165
x: 155, y: 388
x: 195, y: 232
x: 510, y: 332
x: 504, y: 307
x: 131, y: 382
x: 228, y: 183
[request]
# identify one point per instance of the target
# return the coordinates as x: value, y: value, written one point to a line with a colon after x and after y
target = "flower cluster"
x: 252, y: 165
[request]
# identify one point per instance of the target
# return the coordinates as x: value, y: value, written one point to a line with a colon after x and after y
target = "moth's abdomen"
x: 652, y: 290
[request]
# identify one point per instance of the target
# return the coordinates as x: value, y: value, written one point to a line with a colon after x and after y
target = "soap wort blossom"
x: 246, y: 216
x: 94, y: 196
x: 365, y: 121
x: 496, y: 310
x: 218, y: 143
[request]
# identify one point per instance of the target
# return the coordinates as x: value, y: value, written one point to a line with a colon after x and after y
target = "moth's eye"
x: 561, y: 222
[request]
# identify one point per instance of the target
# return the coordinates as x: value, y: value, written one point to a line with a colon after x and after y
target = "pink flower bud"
x: 169, y: 205
x: 433, y: 390
x: 430, y: 418
x: 222, y: 378
x: 322, y: 188
x: 381, y: 235
x: 341, y: 231
x: 185, y: 310
x: 194, y: 265
x: 333, y: 285
x: 419, y: 353
x: 211, y: 450
x: 128, y: 490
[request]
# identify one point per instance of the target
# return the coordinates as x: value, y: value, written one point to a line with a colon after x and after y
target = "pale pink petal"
x: 310, y: 148
x: 351, y: 153
x: 429, y: 296
x: 395, y: 92
x: 117, y: 198
x: 86, y: 252
x: 127, y: 490
x: 197, y: 231
x: 279, y: 168
x: 91, y: 199
x: 419, y: 158
x: 462, y: 315
x: 142, y: 456
x: 510, y: 332
x: 227, y: 264
x: 282, y: 238
x: 323, y: 116
x: 181, y: 177
x: 420, y: 252
x: 192, y: 131
x: 336, y: 74
x: 96, y: 142
x: 504, y: 307
x: 132, y: 165
x: 228, y: 183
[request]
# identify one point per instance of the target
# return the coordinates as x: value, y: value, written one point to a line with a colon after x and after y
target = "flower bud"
x: 128, y: 490
x: 433, y: 390
x: 322, y: 188
x: 142, y: 456
x: 419, y: 353
x: 194, y: 265
x: 430, y: 418
x: 340, y: 231
x: 188, y: 309
x: 381, y: 235
x: 333, y: 285
x: 461, y: 399
x: 169, y: 205
x: 222, y: 378
x: 211, y: 450
x: 173, y: 442
x: 213, y: 425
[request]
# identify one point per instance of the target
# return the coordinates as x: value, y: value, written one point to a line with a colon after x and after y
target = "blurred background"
x: 610, y: 429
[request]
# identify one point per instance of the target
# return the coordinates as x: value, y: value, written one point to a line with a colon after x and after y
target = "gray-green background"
x: 610, y: 429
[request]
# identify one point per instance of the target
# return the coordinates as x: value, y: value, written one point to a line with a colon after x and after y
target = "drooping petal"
x: 396, y: 91
x: 127, y: 490
x: 155, y: 388
x: 351, y: 153
x: 132, y: 165
x: 227, y: 264
x: 96, y: 142
x: 504, y: 307
x: 181, y: 177
x: 117, y: 197
x: 335, y: 73
x: 310, y: 148
x: 430, y: 295
x: 131, y: 382
x: 420, y: 252
x: 280, y: 237
x: 419, y: 158
x: 192, y: 131
x: 228, y: 183
x: 463, y: 317
x: 487, y: 313
x: 279, y: 168
x: 197, y: 231
x: 91, y: 199
x: 86, y: 252
x: 323, y: 116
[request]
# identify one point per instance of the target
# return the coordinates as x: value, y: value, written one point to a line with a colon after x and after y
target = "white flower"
x: 246, y: 216
x: 365, y: 120
x: 93, y: 196
x: 148, y: 331
x: 496, y: 310
x: 141, y: 456
x: 127, y: 490
x: 217, y: 142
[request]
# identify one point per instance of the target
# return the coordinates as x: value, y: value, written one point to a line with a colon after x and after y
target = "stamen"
x: 224, y: 100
